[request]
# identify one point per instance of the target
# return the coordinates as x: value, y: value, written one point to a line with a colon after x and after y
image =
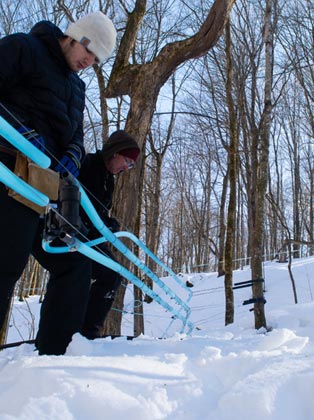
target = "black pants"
x: 72, y: 304
x: 64, y: 305
x: 105, y: 283
x: 67, y: 299
x: 18, y: 227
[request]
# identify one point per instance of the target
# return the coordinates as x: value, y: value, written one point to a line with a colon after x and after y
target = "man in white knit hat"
x: 96, y: 33
x: 43, y: 97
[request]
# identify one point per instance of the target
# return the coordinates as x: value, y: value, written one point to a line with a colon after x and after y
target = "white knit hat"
x: 96, y: 32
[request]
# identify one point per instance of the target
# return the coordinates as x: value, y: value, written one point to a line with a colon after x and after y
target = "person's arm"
x: 16, y: 64
x: 16, y: 61
x: 71, y: 161
x: 111, y: 222
x: 99, y: 186
x: 73, y: 157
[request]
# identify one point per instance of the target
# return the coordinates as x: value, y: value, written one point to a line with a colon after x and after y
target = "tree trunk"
x: 222, y: 227
x: 142, y: 84
x: 262, y: 173
x: 232, y: 170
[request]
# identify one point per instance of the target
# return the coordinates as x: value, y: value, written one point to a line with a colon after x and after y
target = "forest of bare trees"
x: 222, y: 106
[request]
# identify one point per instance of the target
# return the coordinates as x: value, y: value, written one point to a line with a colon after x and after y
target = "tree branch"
x: 124, y: 77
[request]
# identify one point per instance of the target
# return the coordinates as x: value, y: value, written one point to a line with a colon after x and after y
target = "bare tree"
x: 232, y: 166
x: 142, y: 83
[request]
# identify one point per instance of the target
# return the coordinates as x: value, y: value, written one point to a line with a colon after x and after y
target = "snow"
x: 218, y: 373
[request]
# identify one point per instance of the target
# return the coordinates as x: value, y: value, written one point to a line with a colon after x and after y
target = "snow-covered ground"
x: 217, y: 373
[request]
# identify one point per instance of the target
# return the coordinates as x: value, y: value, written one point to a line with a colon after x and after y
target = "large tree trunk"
x: 232, y: 170
x: 261, y: 175
x: 142, y: 84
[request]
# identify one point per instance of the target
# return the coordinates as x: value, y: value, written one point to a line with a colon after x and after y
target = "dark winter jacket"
x: 99, y: 185
x: 39, y: 88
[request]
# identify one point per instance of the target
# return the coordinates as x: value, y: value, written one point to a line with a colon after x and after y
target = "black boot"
x: 97, y: 311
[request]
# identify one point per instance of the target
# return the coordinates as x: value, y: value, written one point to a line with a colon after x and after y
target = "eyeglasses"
x: 129, y: 163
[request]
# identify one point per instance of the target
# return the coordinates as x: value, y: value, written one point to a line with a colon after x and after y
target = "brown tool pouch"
x: 44, y: 180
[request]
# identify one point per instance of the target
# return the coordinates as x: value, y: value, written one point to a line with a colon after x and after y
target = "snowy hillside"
x: 217, y: 373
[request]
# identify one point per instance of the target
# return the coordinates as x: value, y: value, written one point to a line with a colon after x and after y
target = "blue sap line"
x: 102, y: 259
x: 9, y: 178
x: 107, y: 235
x: 21, y: 187
x: 25, y: 146
x: 98, y: 223
x: 139, y: 243
x: 18, y: 185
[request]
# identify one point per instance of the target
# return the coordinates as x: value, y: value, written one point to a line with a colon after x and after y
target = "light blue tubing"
x: 17, y: 184
x: 102, y: 259
x: 9, y: 178
x: 139, y: 243
x: 102, y: 228
x: 160, y: 263
x: 21, y: 187
x: 25, y: 146
x: 107, y: 235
